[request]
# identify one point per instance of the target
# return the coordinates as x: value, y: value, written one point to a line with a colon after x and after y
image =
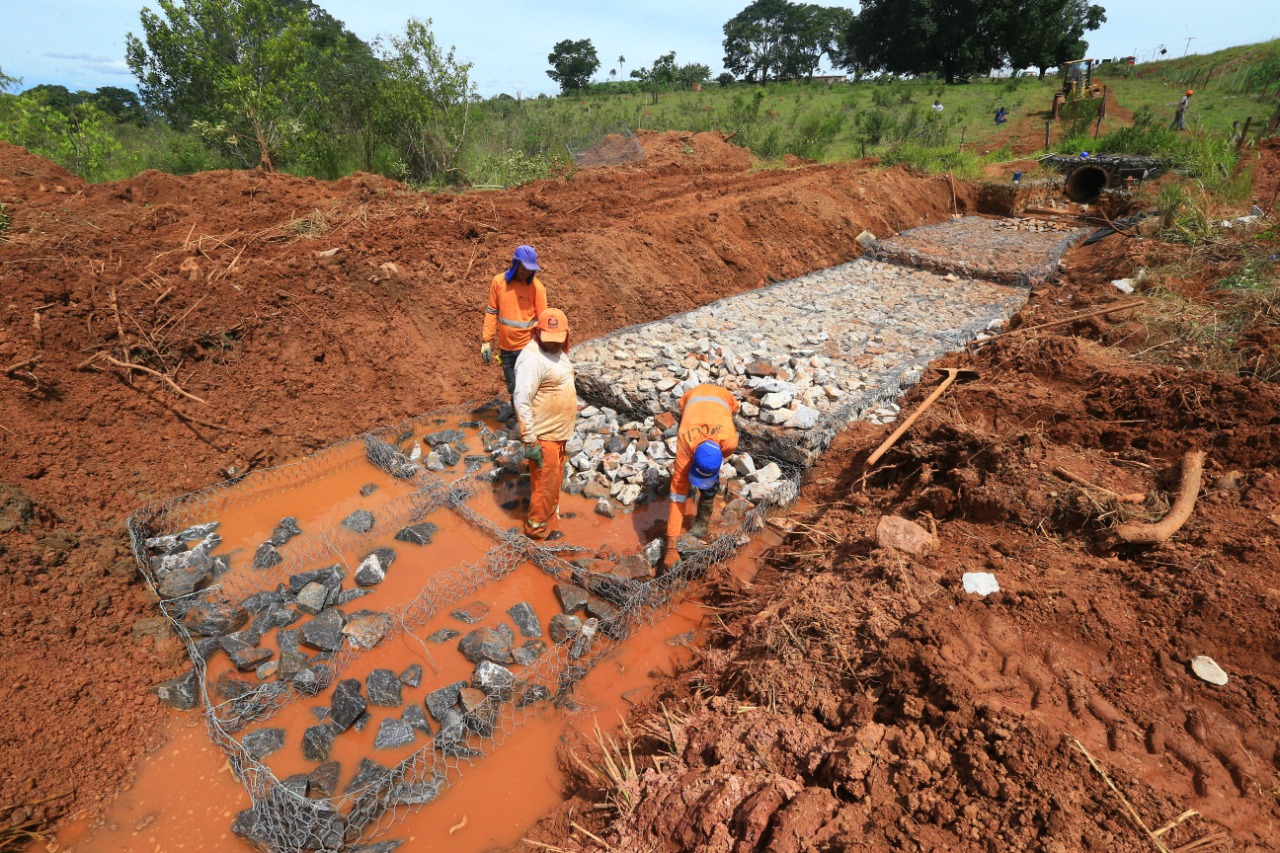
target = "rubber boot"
x: 706, y: 505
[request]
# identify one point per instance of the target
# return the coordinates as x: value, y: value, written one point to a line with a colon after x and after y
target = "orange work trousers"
x: 544, y: 482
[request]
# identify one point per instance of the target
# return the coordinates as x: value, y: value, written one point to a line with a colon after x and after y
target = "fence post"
x: 963, y: 131
x: 1047, y: 126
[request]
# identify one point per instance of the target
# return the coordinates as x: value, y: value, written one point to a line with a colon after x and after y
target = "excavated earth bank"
x: 850, y: 696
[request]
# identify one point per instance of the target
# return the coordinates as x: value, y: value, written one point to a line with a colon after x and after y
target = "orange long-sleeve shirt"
x: 706, y: 414
x: 512, y: 311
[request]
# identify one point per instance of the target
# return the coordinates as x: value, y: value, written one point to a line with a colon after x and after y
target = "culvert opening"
x: 1086, y: 183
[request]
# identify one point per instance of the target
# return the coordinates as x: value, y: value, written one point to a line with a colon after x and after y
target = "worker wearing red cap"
x: 1180, y: 112
x: 546, y: 407
x: 516, y: 299
x: 706, y: 436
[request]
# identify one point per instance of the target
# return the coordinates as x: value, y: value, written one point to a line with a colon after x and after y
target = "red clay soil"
x: 301, y: 312
x: 852, y: 696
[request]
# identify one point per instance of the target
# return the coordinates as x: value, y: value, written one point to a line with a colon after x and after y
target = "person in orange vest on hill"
x: 516, y: 299
x: 706, y: 436
x: 546, y: 407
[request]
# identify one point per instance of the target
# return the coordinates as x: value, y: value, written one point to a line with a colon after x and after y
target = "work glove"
x: 486, y: 352
x: 670, y: 557
x: 533, y: 452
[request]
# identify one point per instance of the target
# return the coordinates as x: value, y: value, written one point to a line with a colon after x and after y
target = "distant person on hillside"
x: 546, y: 408
x: 937, y: 105
x: 1180, y: 112
x: 516, y: 299
x: 1001, y: 116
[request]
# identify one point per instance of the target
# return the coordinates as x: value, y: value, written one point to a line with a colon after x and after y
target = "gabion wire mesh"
x: 284, y: 816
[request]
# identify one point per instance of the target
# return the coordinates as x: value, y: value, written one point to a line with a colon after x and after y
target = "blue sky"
x: 80, y: 43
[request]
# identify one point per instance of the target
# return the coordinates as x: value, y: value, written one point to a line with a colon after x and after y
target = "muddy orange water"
x: 185, y: 795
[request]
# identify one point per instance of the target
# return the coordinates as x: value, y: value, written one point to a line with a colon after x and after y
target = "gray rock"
x: 317, y: 741
x: 479, y: 713
x: 526, y: 620
x: 804, y: 418
x: 324, y: 632
x: 393, y: 733
x: 373, y: 568
x: 530, y: 694
x: 448, y: 454
x: 347, y: 596
x: 604, y: 507
x: 416, y: 717
x: 285, y: 530
x: 291, y: 659
x: 444, y: 635
x: 653, y: 552
x: 324, y: 779
x: 366, y: 630
x: 383, y: 687
x: 493, y: 679
x: 215, y: 619
x: 368, y: 489
x: 312, y: 679
x: 417, y: 534
x: 361, y: 521
x: 472, y: 613
x: 573, y: 599
x: 441, y: 700
x: 328, y: 576
x: 505, y: 630
x: 585, y: 639
x: 409, y: 794
x: 187, y: 577
x: 600, y: 609
x: 263, y: 742
x: 529, y: 652
x: 182, y: 692
x: 347, y: 704
x: 433, y: 463
x: 262, y: 601
x: 268, y: 670
x: 412, y: 676
x: 368, y: 773
x: 446, y: 436
x: 362, y: 721
x: 313, y: 598
x: 562, y: 626
x: 266, y: 556
x: 295, y: 784
x: 485, y: 644
x: 249, y: 658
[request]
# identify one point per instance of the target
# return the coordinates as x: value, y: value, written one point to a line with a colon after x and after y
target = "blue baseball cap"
x: 704, y: 473
x: 525, y: 256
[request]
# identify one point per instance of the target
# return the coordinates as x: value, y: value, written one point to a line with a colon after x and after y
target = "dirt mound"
x: 855, y: 696
x: 25, y: 174
x: 708, y: 151
x: 1266, y: 175
x: 300, y: 312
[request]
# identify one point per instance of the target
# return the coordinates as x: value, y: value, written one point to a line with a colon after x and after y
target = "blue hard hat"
x: 525, y: 256
x: 704, y: 473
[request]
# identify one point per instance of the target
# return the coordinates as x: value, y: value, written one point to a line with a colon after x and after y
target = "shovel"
x: 953, y: 373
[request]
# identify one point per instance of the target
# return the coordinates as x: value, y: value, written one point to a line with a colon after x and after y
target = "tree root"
x: 1161, y: 531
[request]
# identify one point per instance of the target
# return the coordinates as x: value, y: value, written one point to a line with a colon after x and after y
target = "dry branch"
x: 17, y: 366
x: 1188, y: 491
x: 1134, y: 498
x: 973, y: 345
x: 130, y: 366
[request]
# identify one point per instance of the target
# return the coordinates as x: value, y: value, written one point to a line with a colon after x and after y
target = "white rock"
x: 1124, y: 285
x: 1208, y: 670
x: 582, y: 462
x: 743, y: 464
x: 589, y: 412
x: 749, y: 410
x: 629, y: 494
x: 665, y: 384
x: 832, y: 391
x: 775, y: 417
x: 979, y: 583
x: 416, y: 453
x: 804, y: 418
x: 770, y: 473
x: 776, y: 400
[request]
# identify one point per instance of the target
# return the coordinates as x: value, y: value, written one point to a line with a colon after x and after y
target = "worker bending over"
x: 546, y: 407
x: 516, y: 300
x: 706, y: 436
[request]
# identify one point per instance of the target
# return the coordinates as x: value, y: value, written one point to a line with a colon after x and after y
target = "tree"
x: 779, y: 39
x: 1048, y: 33
x: 424, y: 103
x: 7, y: 82
x: 572, y: 64
x: 244, y: 73
x: 73, y: 135
x: 955, y: 38
x: 121, y: 104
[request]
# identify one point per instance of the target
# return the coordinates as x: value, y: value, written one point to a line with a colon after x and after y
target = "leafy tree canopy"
x: 573, y: 63
x: 1048, y: 33
x: 773, y: 39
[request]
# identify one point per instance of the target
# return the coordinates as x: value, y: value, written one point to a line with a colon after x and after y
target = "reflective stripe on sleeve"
x: 517, y: 324
x: 710, y: 400
x: 679, y: 498
x: 489, y: 310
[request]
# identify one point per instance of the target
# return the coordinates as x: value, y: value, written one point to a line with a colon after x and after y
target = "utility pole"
x: 1190, y: 39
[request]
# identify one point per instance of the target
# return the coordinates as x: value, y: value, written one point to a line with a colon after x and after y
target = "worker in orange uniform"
x: 516, y: 299
x: 706, y: 436
x: 546, y: 407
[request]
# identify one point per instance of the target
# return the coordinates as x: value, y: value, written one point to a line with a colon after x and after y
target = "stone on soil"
x: 215, y: 619
x: 324, y: 779
x: 896, y: 532
x: 182, y: 693
x: 383, y: 687
x: 529, y: 652
x: 393, y: 733
x: 361, y: 521
x: 263, y: 742
x: 417, y: 534
x: 485, y: 644
x: 526, y: 620
x: 412, y: 676
x: 365, y: 630
x: 285, y: 530
x: 369, y: 772
x: 494, y: 679
x: 563, y: 626
x: 440, y: 700
x: 266, y: 556
x: 373, y: 568
x: 573, y: 599
x: 317, y: 741
x: 324, y: 632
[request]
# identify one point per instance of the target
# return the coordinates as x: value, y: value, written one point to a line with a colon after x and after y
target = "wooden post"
x: 963, y: 131
x: 1244, y: 133
x: 1047, y: 126
x: 864, y: 149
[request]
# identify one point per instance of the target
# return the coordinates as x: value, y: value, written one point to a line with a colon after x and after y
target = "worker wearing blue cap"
x: 706, y: 436
x: 516, y: 300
